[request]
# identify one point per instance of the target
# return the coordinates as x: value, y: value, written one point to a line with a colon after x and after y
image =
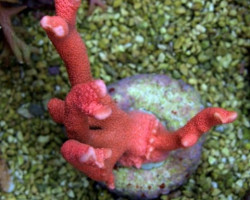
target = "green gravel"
x: 204, y: 43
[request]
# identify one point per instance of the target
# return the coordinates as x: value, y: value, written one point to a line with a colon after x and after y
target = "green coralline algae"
x: 204, y: 43
x: 173, y: 102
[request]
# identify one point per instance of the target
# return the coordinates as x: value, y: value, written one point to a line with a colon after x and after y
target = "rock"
x: 24, y: 111
x: 53, y: 70
x: 36, y: 110
x: 174, y: 103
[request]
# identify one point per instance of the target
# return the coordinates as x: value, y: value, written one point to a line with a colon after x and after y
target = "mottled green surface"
x: 202, y: 42
x: 172, y: 101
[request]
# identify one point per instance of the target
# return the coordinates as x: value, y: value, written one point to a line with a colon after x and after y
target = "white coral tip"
x: 59, y: 31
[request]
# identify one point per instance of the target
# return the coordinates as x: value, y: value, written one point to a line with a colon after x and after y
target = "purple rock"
x: 54, y: 70
x: 174, y: 103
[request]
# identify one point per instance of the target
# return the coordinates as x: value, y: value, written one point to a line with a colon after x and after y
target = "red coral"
x: 100, y: 134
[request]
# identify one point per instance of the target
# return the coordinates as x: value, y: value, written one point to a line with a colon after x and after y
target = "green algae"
x: 212, y: 57
x: 153, y: 97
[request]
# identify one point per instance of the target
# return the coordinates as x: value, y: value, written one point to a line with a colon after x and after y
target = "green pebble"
x: 117, y: 3
x: 20, y: 160
x: 43, y: 139
x: 137, y: 5
x: 192, y: 81
x: 71, y: 194
x: 205, y: 44
x: 20, y: 136
x: 211, y: 160
x: 184, y: 69
x: 215, y: 192
x: 197, y: 6
x: 203, y: 57
x: 225, y: 151
x: 192, y: 60
x: 180, y: 10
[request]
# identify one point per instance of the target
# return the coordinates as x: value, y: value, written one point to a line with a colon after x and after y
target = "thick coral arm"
x: 189, y: 134
x: 89, y: 160
x: 203, y: 122
x: 62, y: 32
x: 56, y: 109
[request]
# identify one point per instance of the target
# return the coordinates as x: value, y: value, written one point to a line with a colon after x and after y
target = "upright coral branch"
x: 62, y: 32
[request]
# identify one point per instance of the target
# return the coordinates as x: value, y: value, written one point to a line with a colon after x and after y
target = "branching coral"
x: 100, y: 133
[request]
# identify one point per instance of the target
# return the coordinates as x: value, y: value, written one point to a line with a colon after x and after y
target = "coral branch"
x: 203, y: 122
x: 189, y: 134
x: 56, y: 109
x: 88, y: 160
x: 67, y: 10
x: 63, y: 34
